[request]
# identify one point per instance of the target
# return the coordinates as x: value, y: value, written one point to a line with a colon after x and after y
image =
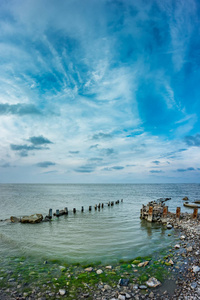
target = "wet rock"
x: 153, y: 282
x: 36, y: 218
x: 177, y: 246
x: 123, y: 282
x: 90, y: 269
x: 62, y: 268
x: 62, y: 292
x: 143, y: 264
x: 169, y: 226
x: 14, y: 219
x: 109, y: 267
x: 99, y: 271
x: 182, y: 237
x: 185, y: 198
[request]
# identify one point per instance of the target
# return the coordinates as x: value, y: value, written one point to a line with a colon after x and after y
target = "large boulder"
x: 36, y: 218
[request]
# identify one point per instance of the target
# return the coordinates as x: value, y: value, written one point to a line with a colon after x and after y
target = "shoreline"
x: 177, y: 269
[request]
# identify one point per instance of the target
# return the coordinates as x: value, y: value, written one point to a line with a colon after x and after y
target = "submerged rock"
x: 153, y: 282
x: 36, y: 218
x: 99, y: 271
x: 143, y: 264
x: 14, y: 219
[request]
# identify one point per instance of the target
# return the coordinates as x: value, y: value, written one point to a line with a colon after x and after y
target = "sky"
x: 99, y: 91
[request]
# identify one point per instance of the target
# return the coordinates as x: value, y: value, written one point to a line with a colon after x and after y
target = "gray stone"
x: 62, y: 292
x: 189, y: 249
x: 107, y: 287
x: 193, y: 285
x: 153, y: 282
x: 121, y: 297
x: 195, y: 269
x: 99, y: 271
x: 142, y: 287
x: 169, y: 226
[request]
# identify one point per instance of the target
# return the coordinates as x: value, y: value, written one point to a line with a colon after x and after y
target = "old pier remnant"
x: 154, y: 211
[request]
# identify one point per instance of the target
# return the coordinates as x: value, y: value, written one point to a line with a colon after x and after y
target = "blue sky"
x: 100, y: 91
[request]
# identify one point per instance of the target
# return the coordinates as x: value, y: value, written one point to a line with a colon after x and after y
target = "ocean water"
x: 107, y: 235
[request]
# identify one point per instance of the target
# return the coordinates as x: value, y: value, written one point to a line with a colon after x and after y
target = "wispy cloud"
x: 156, y: 162
x: 185, y: 170
x: 156, y: 171
x: 74, y: 152
x: 116, y: 168
x: 45, y: 164
x: 101, y: 135
x: 39, y: 140
x: 19, y: 109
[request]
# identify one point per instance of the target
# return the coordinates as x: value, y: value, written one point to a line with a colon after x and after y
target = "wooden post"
x: 195, y: 213
x: 102, y: 205
x: 178, y: 212
x: 95, y: 207
x: 82, y: 209
x: 164, y: 214
x: 57, y: 212
x: 112, y: 203
x: 66, y: 210
x: 90, y: 208
x: 150, y: 214
x: 109, y: 203
x: 50, y: 213
x: 74, y: 210
x: 99, y: 206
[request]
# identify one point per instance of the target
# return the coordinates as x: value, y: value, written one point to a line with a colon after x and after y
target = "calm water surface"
x: 106, y: 235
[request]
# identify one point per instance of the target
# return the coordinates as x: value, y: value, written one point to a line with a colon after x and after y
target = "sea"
x: 105, y: 235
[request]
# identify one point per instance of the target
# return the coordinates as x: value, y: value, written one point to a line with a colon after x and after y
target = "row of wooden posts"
x: 165, y: 213
x: 65, y: 211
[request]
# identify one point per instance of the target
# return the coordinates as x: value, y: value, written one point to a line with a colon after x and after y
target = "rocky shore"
x: 172, y: 274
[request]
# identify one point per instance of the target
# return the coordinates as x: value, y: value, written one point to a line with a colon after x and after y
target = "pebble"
x: 90, y: 269
x: 121, y: 297
x: 107, y: 287
x: 99, y: 271
x: 62, y: 292
x: 142, y: 287
x: 193, y: 285
x: 189, y: 249
x: 195, y: 269
x: 153, y: 282
x: 109, y: 267
x: 177, y: 246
